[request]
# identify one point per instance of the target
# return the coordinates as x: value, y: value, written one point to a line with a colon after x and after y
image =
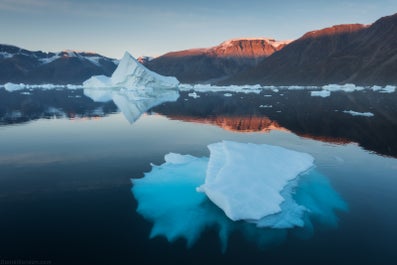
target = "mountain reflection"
x: 317, y: 118
x: 24, y: 106
x: 132, y: 103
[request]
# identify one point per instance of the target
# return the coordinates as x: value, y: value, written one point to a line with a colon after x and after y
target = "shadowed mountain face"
x: 216, y: 63
x: 68, y: 67
x: 354, y: 53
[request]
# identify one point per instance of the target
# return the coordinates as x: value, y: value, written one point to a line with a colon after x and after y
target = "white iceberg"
x: 131, y: 74
x: 245, y: 180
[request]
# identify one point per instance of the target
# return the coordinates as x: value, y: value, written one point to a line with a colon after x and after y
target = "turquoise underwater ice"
x: 167, y: 196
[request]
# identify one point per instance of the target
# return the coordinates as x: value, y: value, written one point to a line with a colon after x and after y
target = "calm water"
x: 66, y: 166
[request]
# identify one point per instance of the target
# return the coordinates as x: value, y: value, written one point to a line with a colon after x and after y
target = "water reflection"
x: 28, y: 105
x: 296, y: 111
x: 311, y: 117
x: 167, y: 197
x: 132, y: 103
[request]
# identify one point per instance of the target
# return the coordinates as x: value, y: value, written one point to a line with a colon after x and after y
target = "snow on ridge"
x: 6, y: 55
x: 271, y: 41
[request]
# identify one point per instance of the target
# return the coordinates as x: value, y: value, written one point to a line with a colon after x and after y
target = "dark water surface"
x: 66, y: 164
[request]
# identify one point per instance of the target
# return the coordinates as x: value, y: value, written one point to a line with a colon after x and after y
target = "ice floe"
x: 11, y: 87
x: 355, y: 113
x: 193, y: 95
x: 287, y: 196
x: 321, y: 93
x: 244, y: 194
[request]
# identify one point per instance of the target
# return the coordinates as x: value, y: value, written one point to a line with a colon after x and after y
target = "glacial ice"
x: 130, y: 74
x: 246, y: 194
x: 167, y: 197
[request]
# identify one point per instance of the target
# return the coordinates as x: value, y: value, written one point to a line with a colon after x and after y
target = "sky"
x: 154, y: 27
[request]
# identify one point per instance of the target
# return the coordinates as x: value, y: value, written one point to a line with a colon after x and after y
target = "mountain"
x: 216, y: 63
x: 352, y: 53
x: 36, y: 67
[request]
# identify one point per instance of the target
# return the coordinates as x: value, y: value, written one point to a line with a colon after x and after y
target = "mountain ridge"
x: 349, y: 53
x: 19, y: 65
x: 218, y: 62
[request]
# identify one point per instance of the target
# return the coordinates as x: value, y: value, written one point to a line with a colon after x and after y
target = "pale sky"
x: 154, y: 27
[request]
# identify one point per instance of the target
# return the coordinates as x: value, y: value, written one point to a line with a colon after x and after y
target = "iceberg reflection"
x: 132, y: 103
x: 167, y: 197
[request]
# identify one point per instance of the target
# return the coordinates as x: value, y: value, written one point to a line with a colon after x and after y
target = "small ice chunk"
x: 388, y: 89
x: 321, y: 93
x: 11, y: 87
x: 245, y: 180
x: 228, y: 94
x: 193, y: 95
x: 98, y: 81
x: 355, y: 113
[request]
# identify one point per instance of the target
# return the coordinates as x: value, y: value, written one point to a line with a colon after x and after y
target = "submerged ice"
x: 168, y: 197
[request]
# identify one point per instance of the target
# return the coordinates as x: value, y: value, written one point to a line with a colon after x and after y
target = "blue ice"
x: 168, y: 198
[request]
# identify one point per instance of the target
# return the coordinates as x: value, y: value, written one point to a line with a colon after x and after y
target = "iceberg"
x: 247, y: 194
x: 131, y: 74
x: 167, y: 197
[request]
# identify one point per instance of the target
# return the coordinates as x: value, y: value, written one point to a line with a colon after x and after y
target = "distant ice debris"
x: 193, y: 95
x: 130, y: 74
x: 11, y: 87
x: 267, y: 186
x: 265, y: 106
x: 213, y: 88
x: 324, y: 92
x: 355, y: 113
x: 388, y: 89
x: 228, y: 94
x: 321, y: 93
x: 345, y: 88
